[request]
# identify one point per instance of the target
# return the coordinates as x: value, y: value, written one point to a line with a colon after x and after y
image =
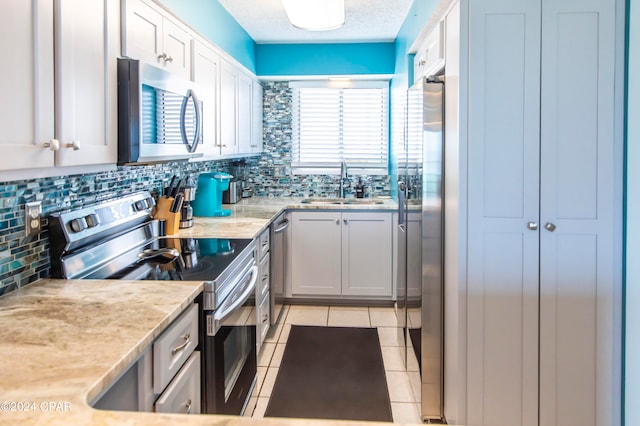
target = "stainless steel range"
x: 119, y: 240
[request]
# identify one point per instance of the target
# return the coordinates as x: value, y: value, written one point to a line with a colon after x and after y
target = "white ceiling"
x: 365, y: 21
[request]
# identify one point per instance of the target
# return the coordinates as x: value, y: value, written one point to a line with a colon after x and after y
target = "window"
x: 331, y: 124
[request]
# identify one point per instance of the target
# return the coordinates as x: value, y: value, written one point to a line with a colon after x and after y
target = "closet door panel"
x: 503, y: 196
x: 578, y: 196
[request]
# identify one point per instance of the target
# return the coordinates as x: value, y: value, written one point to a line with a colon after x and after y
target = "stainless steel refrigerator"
x: 421, y: 240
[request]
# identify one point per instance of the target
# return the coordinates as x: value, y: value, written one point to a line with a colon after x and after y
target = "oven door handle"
x: 238, y: 299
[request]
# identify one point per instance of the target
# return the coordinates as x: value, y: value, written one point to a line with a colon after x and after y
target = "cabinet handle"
x: 550, y: 227
x: 533, y: 226
x: 187, y: 340
x: 168, y: 59
x: 337, y: 221
x: 53, y: 144
x: 265, y: 318
x: 163, y: 56
x: 346, y: 222
x: 189, y: 406
x: 75, y: 145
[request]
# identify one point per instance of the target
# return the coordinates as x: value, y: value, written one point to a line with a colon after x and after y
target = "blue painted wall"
x: 416, y: 19
x: 210, y: 19
x: 632, y: 279
x: 325, y: 59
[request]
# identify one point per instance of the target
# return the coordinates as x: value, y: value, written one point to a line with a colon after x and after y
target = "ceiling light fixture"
x: 315, y: 15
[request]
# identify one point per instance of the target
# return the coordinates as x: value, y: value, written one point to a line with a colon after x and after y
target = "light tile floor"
x: 404, y: 385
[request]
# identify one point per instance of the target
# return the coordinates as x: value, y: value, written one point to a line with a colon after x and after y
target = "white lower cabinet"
x: 166, y: 376
x: 263, y: 289
x: 183, y: 393
x: 345, y: 254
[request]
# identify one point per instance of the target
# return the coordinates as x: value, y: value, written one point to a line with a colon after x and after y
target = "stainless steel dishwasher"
x: 278, y: 264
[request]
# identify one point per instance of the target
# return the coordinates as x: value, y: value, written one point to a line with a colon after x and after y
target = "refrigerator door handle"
x: 401, y: 206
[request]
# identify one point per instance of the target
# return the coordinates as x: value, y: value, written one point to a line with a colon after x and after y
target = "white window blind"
x: 335, y: 124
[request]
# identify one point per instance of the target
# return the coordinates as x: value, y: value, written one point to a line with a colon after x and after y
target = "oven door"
x: 229, y: 350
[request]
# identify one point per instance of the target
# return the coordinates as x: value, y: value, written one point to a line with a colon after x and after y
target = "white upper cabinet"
x: 59, y: 110
x: 205, y: 70
x: 245, y: 91
x: 152, y: 37
x: 257, y: 118
x: 26, y: 85
x: 87, y: 46
x: 429, y: 58
x: 228, y: 108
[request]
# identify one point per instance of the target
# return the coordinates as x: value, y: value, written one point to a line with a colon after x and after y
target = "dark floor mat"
x: 331, y: 373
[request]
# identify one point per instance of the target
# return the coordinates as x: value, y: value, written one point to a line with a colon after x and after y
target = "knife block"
x: 172, y: 220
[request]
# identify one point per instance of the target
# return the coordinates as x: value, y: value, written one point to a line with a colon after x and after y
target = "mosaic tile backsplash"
x: 271, y: 172
x: 26, y: 259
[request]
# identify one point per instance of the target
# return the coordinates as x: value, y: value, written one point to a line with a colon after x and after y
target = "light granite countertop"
x: 251, y: 216
x: 64, y: 341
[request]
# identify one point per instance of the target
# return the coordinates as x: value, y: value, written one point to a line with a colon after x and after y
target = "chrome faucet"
x: 344, y: 178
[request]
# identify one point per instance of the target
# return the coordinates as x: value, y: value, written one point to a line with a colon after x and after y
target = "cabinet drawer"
x: 263, y: 319
x: 263, y: 244
x: 173, y: 347
x: 183, y: 394
x: 264, y: 277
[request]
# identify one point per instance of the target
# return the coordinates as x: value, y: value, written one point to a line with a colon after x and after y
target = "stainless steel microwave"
x: 159, y: 115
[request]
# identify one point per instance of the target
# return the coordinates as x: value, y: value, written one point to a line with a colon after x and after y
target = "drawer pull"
x: 188, y: 405
x: 187, y: 340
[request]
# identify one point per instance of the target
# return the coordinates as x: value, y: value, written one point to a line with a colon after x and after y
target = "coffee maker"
x: 186, y: 212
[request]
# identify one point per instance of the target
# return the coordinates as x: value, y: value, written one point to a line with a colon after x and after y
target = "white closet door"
x: 502, y: 321
x: 577, y: 272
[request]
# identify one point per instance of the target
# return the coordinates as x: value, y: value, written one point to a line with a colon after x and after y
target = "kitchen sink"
x: 328, y: 200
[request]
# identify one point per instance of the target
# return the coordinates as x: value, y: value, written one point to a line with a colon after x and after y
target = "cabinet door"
x: 206, y: 72
x: 142, y: 33
x: 228, y: 108
x: 87, y: 47
x: 256, y: 118
x: 579, y: 274
x: 245, y: 90
x: 176, y: 45
x: 27, y: 103
x: 503, y: 194
x: 316, y: 253
x: 366, y: 254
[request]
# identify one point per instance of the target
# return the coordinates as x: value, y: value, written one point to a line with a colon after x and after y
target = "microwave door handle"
x: 183, y: 118
x: 196, y: 107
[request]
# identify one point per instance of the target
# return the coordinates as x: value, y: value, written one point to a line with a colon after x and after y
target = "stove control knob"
x: 92, y: 220
x: 78, y: 224
x: 150, y: 202
x: 140, y: 205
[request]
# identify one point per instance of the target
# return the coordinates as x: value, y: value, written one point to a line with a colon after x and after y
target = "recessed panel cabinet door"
x: 366, y: 254
x: 87, y: 47
x: 206, y: 72
x: 27, y: 102
x: 228, y: 108
x: 503, y: 191
x: 578, y: 213
x: 245, y: 91
x: 316, y: 253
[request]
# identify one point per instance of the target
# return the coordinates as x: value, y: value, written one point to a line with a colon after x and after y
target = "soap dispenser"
x: 359, y: 189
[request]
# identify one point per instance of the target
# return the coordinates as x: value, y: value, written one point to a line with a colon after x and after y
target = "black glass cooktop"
x: 186, y: 259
